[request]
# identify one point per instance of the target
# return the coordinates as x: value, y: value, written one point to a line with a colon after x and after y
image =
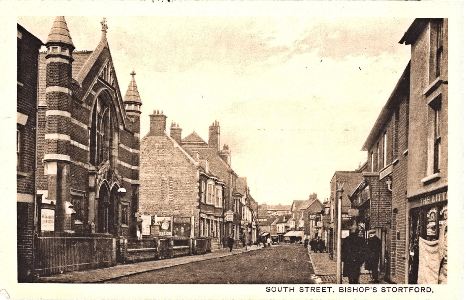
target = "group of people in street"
x: 356, y: 251
x: 317, y: 244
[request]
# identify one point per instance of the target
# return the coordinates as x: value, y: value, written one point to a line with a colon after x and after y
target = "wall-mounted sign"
x: 353, y: 212
x: 47, y: 219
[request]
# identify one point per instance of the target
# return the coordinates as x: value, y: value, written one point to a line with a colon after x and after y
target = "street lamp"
x: 339, y: 200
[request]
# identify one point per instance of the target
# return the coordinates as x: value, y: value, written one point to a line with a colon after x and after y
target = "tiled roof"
x: 132, y: 94
x: 315, y: 206
x: 296, y: 205
x: 59, y: 32
x: 193, y: 138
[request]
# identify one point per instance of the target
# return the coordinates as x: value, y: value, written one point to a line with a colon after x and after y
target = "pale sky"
x: 295, y: 97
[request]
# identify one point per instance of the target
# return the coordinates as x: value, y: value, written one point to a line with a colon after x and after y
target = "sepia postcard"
x: 233, y: 150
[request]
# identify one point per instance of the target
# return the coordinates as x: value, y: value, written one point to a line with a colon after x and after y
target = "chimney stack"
x: 158, y: 122
x: 214, y: 135
x: 175, y: 132
x: 225, y: 154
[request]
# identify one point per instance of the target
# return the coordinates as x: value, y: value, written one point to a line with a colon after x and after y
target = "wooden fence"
x: 56, y: 255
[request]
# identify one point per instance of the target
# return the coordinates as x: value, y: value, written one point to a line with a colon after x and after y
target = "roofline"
x: 37, y: 40
x: 414, y: 30
x: 386, y: 111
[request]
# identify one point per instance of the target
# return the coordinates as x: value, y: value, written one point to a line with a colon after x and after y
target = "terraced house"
x: 87, y: 177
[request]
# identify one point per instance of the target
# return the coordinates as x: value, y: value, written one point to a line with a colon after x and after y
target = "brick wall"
x: 399, y: 200
x: 27, y: 60
x: 169, y: 180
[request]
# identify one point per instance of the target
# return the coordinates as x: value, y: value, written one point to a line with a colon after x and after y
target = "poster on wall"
x: 182, y: 226
x: 47, y: 219
x: 146, y: 222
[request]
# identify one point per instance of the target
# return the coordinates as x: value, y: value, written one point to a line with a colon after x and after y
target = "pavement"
x: 122, y: 270
x: 325, y: 270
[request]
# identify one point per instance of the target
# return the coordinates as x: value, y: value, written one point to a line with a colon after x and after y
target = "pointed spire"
x: 132, y: 94
x: 59, y: 32
x: 104, y: 27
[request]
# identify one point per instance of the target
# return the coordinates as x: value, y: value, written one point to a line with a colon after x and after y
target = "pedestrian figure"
x: 230, y: 242
x: 243, y: 240
x: 269, y: 242
x: 314, y: 245
x: 352, y: 254
x: 306, y: 242
x: 320, y: 244
x: 374, y: 248
x: 264, y: 241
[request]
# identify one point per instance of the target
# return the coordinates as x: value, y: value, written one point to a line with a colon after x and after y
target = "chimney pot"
x: 158, y: 123
x: 175, y: 132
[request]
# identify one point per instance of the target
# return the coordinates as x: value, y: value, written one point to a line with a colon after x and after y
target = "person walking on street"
x: 269, y: 241
x: 374, y: 249
x: 230, y: 241
x: 352, y: 254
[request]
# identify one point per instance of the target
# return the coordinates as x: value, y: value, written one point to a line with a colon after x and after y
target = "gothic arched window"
x: 103, y: 135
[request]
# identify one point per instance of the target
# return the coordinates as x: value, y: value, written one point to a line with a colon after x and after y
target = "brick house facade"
x: 88, y: 141
x: 351, y: 180
x: 219, y: 165
x: 381, y: 195
x: 28, y: 47
x: 176, y: 184
x: 427, y: 172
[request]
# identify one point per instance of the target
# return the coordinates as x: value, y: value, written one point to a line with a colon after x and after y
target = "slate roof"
x: 59, y: 32
x: 193, y: 138
x: 132, y: 94
x: 298, y: 204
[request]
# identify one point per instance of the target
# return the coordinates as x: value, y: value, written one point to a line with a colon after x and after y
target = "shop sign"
x: 353, y: 212
x: 229, y: 216
x: 47, y: 219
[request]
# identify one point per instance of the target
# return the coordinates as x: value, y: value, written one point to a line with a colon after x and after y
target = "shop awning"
x: 264, y: 233
x: 295, y: 233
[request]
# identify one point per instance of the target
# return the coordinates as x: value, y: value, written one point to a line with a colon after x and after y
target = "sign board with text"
x: 47, y: 219
x: 165, y: 225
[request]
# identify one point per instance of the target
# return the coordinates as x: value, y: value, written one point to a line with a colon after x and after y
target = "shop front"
x: 428, y: 216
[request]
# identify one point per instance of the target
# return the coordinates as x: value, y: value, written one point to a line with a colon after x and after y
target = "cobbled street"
x: 285, y: 264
